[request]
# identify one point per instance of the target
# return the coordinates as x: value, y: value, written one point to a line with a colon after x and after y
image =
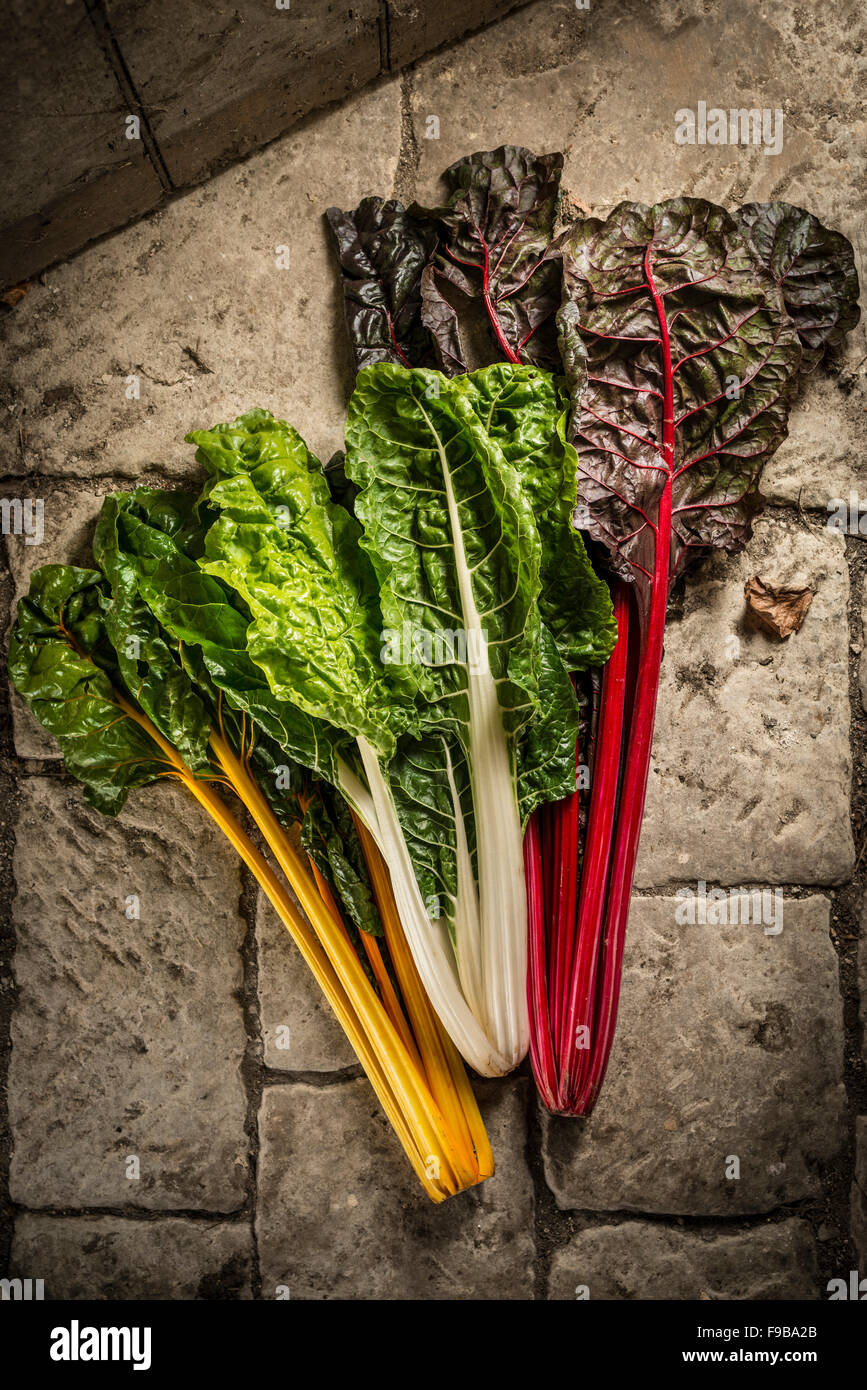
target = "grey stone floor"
x: 262, y: 1169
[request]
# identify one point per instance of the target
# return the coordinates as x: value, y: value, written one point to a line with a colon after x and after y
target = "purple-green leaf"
x: 690, y: 360
x: 813, y: 266
x: 491, y: 265
x: 382, y: 252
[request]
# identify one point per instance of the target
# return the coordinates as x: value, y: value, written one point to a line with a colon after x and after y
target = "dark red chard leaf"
x: 682, y: 355
x: 690, y: 360
x: 495, y: 230
x: 813, y: 266
x: 382, y: 252
x: 687, y: 360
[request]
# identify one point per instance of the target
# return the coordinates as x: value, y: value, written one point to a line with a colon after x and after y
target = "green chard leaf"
x: 159, y: 535
x: 546, y: 754
x: 451, y: 536
x: 513, y: 414
x: 62, y: 663
x: 293, y: 556
x: 188, y: 629
x: 330, y: 838
x: 150, y: 665
x: 521, y: 410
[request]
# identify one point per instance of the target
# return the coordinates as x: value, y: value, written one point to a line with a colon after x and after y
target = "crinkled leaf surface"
x: 546, y: 753
x: 449, y: 530
x: 666, y: 310
x: 813, y: 266
x: 382, y: 252
x: 495, y: 229
x: 61, y: 662
x: 147, y: 540
x: 150, y: 663
x: 520, y: 409
x: 428, y: 779
x: 294, y: 557
x: 466, y: 493
x: 155, y: 537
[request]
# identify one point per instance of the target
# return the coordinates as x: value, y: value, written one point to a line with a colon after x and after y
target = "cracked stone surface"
x: 107, y: 1257
x: 640, y: 1260
x: 73, y: 163
x: 373, y: 1234
x: 729, y: 1044
x: 822, y: 463
x: 253, y: 70
x: 751, y: 764
x: 128, y: 1037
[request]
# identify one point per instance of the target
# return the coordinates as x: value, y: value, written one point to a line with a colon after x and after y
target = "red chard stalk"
x: 682, y: 340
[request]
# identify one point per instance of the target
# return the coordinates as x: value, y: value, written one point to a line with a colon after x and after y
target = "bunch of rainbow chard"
x: 678, y: 334
x: 433, y: 701
x: 140, y: 669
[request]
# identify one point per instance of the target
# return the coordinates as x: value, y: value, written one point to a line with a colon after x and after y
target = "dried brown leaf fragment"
x: 779, y: 610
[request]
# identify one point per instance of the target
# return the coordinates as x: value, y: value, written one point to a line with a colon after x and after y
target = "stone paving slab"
x: 824, y: 460
x: 69, y: 172
x: 341, y: 1214
x: 729, y: 1043
x: 108, y: 1257
x: 751, y: 767
x: 128, y: 1036
x: 201, y: 276
x: 415, y: 28
x: 207, y: 84
x: 299, y: 1031
x: 862, y: 977
x: 242, y: 74
x: 644, y: 1260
